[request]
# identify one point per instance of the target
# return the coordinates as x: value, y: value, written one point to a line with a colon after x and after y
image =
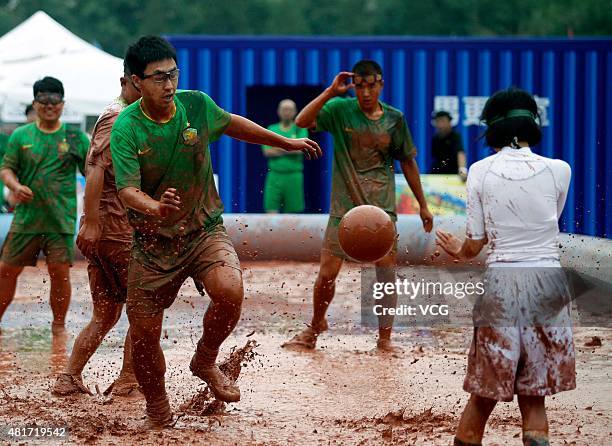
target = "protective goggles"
x: 368, y: 80
x: 49, y: 98
x: 160, y: 78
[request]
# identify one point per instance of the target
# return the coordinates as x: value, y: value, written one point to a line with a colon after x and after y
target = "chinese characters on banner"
x: 473, y: 105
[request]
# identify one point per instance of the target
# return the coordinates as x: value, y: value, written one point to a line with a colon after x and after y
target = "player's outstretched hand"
x: 427, y: 219
x: 309, y: 147
x: 23, y: 194
x: 87, y: 240
x: 340, y: 86
x: 169, y: 202
x: 449, y: 243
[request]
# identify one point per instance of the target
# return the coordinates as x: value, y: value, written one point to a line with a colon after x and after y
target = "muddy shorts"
x: 108, y: 271
x: 23, y: 249
x: 154, y: 283
x: 522, y: 342
x: 332, y: 244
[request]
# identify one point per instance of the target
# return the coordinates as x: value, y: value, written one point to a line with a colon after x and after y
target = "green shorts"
x: 23, y: 249
x: 284, y: 191
x: 332, y: 244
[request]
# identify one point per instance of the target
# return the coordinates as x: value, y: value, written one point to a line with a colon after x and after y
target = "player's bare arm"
x: 466, y: 250
x: 411, y: 173
x: 462, y: 163
x: 90, y: 231
x: 134, y: 198
x: 23, y: 194
x: 246, y: 130
x: 307, y: 118
x: 273, y: 152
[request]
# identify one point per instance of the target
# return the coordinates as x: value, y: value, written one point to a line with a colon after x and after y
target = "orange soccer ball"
x: 366, y: 233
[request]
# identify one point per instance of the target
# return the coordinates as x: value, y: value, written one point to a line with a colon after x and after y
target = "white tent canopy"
x: 41, y: 47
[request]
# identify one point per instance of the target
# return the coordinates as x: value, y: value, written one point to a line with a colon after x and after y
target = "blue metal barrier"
x: 571, y: 77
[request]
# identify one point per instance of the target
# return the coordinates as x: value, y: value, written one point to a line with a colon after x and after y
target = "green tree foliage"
x: 112, y: 24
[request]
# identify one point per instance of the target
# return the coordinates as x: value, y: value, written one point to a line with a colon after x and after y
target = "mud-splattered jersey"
x: 364, y: 151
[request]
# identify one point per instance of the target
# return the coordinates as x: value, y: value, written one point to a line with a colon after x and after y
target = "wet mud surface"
x: 342, y: 393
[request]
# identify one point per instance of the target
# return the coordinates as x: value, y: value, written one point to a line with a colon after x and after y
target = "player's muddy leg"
x: 324, y: 289
x: 59, y: 353
x: 473, y: 420
x: 8, y: 284
x: 385, y: 273
x: 323, y: 293
x: 535, y: 421
x: 224, y: 287
x: 105, y: 316
x: 61, y: 290
x: 150, y: 365
x: 106, y: 313
x: 126, y: 383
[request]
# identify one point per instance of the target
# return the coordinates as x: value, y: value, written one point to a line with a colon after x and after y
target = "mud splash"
x: 204, y: 403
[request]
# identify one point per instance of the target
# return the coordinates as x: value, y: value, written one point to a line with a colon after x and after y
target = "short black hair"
x: 146, y: 50
x: 366, y: 67
x: 126, y: 69
x: 442, y: 114
x: 28, y: 109
x: 501, y: 132
x: 48, y: 84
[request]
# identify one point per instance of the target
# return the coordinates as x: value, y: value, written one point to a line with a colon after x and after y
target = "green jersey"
x: 292, y: 161
x: 153, y: 157
x: 46, y: 163
x: 364, y: 151
x: 3, y: 143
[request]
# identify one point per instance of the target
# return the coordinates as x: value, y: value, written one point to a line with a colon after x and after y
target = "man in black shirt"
x: 448, y: 156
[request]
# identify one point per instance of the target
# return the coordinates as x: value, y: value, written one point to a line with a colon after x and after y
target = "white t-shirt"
x: 515, y: 198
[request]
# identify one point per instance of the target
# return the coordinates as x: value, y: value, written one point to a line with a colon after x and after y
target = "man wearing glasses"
x: 39, y: 168
x: 105, y: 239
x: 369, y: 136
x: 164, y: 177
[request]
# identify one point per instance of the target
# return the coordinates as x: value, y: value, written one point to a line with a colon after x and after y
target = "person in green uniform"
x: 369, y: 136
x: 39, y: 167
x: 284, y: 187
x: 7, y: 204
x: 164, y: 176
x: 3, y: 143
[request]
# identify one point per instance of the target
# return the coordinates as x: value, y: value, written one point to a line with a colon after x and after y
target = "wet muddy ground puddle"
x: 342, y: 393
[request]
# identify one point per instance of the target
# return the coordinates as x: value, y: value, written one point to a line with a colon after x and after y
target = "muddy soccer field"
x: 343, y: 393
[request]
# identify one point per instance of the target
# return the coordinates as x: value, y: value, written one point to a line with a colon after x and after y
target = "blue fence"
x: 571, y: 77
